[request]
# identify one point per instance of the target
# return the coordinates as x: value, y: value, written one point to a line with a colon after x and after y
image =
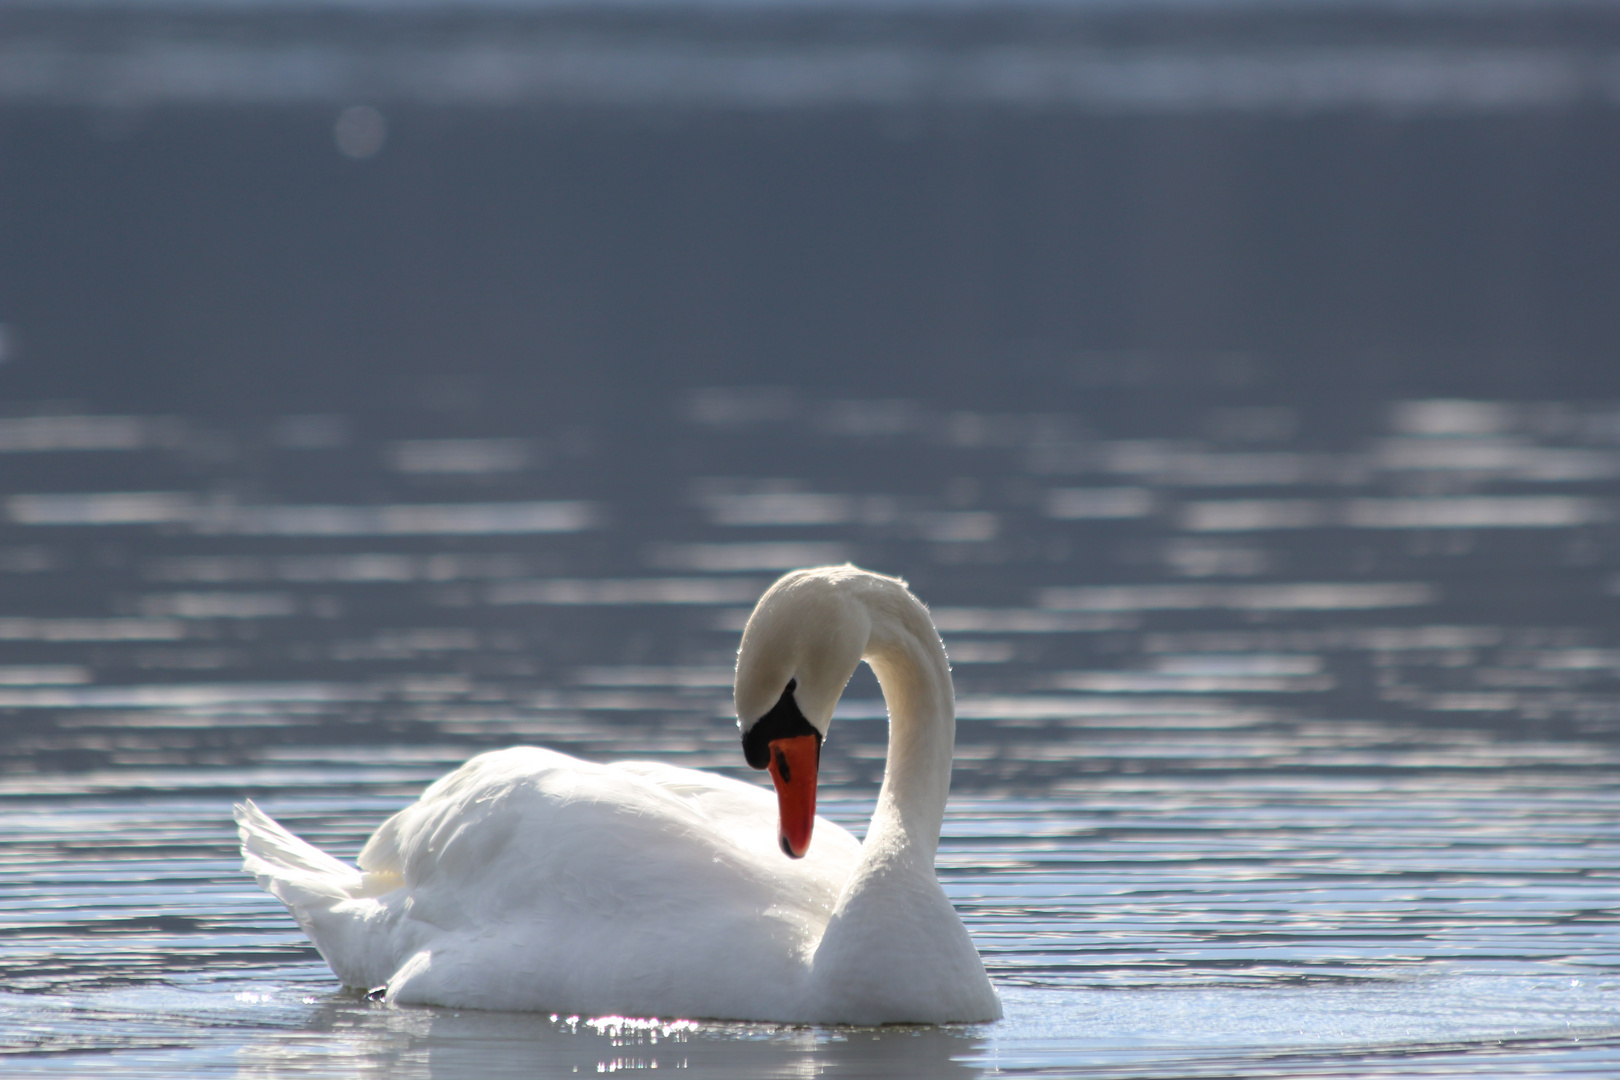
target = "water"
x: 1280, y: 754
x: 911, y: 59
x: 1235, y: 381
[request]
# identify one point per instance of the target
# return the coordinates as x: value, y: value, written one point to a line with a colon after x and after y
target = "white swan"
x: 530, y: 880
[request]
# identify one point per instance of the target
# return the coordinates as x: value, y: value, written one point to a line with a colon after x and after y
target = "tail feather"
x: 329, y: 899
x: 280, y: 860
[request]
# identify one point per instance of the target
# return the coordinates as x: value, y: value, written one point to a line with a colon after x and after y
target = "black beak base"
x: 784, y: 721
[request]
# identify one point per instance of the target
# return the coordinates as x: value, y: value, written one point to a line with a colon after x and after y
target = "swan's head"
x: 800, y: 647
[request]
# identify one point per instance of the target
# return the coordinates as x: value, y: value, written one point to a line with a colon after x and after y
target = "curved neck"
x: 905, y: 652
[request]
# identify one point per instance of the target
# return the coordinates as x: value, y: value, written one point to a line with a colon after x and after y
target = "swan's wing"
x: 748, y: 814
x: 527, y: 797
x: 530, y: 879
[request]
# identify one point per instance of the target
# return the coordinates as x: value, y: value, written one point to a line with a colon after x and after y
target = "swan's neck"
x: 905, y: 652
x: 893, y: 948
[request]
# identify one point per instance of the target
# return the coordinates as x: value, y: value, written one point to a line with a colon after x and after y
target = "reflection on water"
x: 417, y: 519
x: 1277, y: 754
x: 1450, y: 558
x: 1046, y: 55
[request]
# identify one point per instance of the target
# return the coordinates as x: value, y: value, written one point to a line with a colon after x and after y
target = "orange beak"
x: 793, y: 770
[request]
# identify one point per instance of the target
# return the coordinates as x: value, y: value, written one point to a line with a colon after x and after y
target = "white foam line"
x: 685, y: 677
x: 108, y: 508
x: 582, y: 68
x: 578, y: 592
x: 1053, y: 707
x: 43, y: 434
x: 404, y: 519
x: 30, y: 629
x: 1444, y: 512
x: 1155, y: 682
x: 44, y: 675
x: 189, y: 696
x: 1318, y: 596
x: 1026, y: 621
x: 745, y: 557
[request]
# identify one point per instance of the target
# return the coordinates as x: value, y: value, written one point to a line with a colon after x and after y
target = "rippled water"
x: 1287, y: 743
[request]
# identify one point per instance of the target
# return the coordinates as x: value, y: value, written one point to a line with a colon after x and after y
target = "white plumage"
x: 531, y: 880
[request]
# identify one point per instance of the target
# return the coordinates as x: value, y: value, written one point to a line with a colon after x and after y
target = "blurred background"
x: 1003, y: 298
x: 1239, y: 381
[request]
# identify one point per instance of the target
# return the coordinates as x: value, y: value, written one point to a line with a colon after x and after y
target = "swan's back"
x: 528, y: 879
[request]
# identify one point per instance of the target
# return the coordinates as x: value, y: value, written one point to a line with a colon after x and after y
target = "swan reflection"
x: 343, y: 1036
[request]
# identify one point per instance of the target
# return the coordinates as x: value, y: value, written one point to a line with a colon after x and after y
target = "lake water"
x: 381, y: 384
x: 1278, y: 755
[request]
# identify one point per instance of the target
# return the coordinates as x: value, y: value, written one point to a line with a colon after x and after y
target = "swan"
x: 529, y: 880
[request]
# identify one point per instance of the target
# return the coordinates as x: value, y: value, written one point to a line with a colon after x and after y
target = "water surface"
x: 1280, y: 753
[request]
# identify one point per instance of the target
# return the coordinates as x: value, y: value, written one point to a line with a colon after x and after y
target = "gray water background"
x: 1243, y: 402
